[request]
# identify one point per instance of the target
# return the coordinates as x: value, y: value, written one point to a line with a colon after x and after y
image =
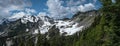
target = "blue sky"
x: 39, y: 5
x: 52, y: 8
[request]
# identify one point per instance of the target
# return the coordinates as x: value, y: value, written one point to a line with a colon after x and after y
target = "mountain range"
x: 30, y: 27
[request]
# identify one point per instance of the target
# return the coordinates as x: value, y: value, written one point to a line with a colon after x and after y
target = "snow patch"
x: 36, y: 31
x: 9, y: 42
x: 1, y: 21
x: 69, y: 27
x: 25, y: 19
x: 16, y: 16
x: 27, y: 30
x: 45, y: 27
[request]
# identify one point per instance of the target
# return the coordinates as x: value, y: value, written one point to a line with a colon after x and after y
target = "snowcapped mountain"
x: 30, y: 26
x: 44, y: 23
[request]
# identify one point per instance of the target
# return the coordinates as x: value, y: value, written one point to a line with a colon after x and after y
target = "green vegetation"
x: 107, y: 31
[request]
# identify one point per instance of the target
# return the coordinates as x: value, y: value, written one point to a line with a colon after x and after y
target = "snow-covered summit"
x: 16, y: 16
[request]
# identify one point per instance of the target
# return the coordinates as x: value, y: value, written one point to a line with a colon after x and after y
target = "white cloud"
x: 55, y: 7
x: 86, y: 7
x: 30, y: 10
x: 42, y: 14
x: 74, y: 3
x: 57, y: 10
x: 10, y: 5
x: 16, y: 16
x: 24, y: 12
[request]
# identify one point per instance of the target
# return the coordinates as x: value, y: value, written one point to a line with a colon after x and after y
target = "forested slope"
x: 105, y: 31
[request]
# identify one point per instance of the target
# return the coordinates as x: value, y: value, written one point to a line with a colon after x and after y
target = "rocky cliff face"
x: 30, y: 27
